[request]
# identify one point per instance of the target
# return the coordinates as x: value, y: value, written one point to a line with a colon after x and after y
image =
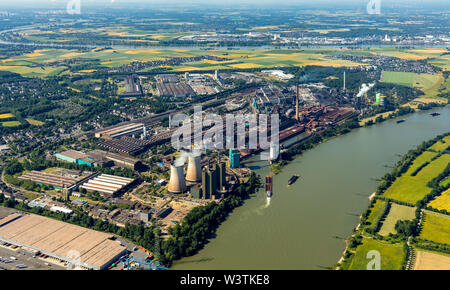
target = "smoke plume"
x: 364, y: 89
x: 182, y: 158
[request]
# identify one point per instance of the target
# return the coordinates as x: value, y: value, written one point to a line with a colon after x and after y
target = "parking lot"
x: 22, y: 258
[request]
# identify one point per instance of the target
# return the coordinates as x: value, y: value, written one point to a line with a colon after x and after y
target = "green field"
x: 28, y: 71
x: 421, y: 159
x: 414, y: 188
x: 445, y: 182
x: 442, y: 144
x: 412, y: 80
x: 36, y: 64
x: 430, y: 84
x: 392, y: 255
x: 11, y: 124
x: 376, y: 212
x: 442, y: 61
x: 396, y: 213
x: 436, y: 228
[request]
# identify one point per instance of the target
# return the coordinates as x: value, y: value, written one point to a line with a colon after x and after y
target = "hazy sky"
x: 41, y: 2
x: 228, y: 3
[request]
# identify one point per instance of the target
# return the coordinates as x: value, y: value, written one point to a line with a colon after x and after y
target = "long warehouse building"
x: 107, y: 184
x: 121, y: 131
x: 61, y: 241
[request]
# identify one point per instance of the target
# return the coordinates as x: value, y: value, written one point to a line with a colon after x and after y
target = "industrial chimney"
x: 297, y: 109
x: 194, y: 171
x: 177, y: 183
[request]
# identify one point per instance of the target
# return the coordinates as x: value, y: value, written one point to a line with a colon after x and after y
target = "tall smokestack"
x: 344, y: 81
x: 177, y: 183
x: 297, y: 109
x: 194, y: 171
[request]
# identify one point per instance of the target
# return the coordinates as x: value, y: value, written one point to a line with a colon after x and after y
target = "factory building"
x: 179, y: 90
x: 133, y: 129
x: 56, y: 181
x: 108, y: 185
x: 379, y: 99
x: 60, y: 241
x: 77, y: 157
x: 214, y: 181
x: 81, y: 158
x: 117, y: 159
x: 133, y: 87
x: 196, y: 191
x: 125, y: 145
x: 234, y: 158
x: 209, y: 183
x: 222, y: 177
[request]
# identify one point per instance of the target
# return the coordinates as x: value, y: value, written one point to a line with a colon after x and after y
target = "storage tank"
x: 194, y: 171
x: 177, y: 183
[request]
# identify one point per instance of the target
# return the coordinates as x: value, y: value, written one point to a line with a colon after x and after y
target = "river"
x: 302, y: 226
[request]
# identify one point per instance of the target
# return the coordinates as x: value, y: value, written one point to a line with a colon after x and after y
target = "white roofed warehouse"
x: 108, y: 185
x: 60, y: 241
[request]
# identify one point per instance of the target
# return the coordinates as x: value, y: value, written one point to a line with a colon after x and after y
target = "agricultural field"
x: 442, y: 201
x: 434, y: 55
x: 34, y: 122
x: 436, y: 228
x: 421, y: 159
x: 445, y: 182
x: 411, y: 189
x: 442, y: 61
x: 392, y: 255
x: 6, y: 116
x: 49, y: 62
x: 409, y: 54
x: 431, y: 84
x: 428, y: 260
x: 413, y: 80
x: 376, y: 212
x: 11, y: 124
x: 396, y: 213
x: 441, y: 145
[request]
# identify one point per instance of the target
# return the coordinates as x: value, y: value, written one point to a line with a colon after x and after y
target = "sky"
x: 229, y: 3
x: 258, y: 2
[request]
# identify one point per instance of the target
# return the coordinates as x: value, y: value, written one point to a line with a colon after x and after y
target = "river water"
x: 302, y: 226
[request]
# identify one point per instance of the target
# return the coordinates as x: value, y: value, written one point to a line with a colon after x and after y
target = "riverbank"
x: 371, y: 197
x: 385, y: 211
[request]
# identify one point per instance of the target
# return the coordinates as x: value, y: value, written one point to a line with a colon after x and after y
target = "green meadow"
x: 375, y: 212
x: 11, y: 124
x: 436, y: 228
x: 411, y: 189
x: 392, y: 255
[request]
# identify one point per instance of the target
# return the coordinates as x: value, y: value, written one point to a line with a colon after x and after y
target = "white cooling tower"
x: 194, y: 171
x: 177, y: 183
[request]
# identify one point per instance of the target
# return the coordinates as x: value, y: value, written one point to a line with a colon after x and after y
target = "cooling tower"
x: 194, y: 171
x: 177, y: 183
